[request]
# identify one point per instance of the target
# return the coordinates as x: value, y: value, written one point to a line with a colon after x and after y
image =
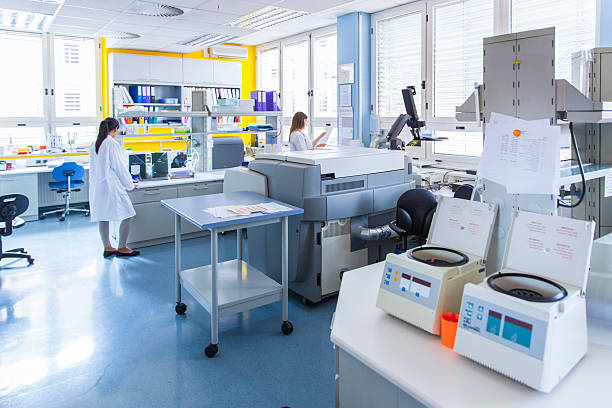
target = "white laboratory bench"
x: 384, y: 362
x: 154, y: 224
x: 33, y: 182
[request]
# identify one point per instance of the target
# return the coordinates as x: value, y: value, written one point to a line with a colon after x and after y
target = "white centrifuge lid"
x: 557, y: 248
x: 463, y: 225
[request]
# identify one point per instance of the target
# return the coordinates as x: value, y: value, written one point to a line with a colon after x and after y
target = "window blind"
x: 74, y: 88
x: 325, y: 75
x: 268, y: 77
x: 459, y: 28
x: 398, y: 62
x: 295, y: 78
x: 575, y: 23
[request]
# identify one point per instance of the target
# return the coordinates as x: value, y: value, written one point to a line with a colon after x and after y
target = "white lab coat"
x: 299, y: 142
x: 109, y: 179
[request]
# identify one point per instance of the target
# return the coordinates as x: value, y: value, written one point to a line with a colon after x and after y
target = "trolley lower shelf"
x: 241, y: 287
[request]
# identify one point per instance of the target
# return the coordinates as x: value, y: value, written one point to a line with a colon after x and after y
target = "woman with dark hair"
x: 298, y: 140
x: 109, y: 180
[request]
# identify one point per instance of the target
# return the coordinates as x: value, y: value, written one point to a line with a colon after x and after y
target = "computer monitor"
x: 138, y: 165
x: 159, y: 165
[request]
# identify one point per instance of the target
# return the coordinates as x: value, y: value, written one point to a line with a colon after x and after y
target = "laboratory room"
x: 282, y: 203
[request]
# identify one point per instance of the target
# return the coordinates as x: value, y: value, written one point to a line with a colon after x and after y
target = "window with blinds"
x: 575, y: 23
x: 295, y: 78
x: 458, y: 30
x: 22, y: 136
x: 21, y: 76
x: 75, y: 91
x: 398, y: 62
x: 268, y: 76
x: 325, y: 75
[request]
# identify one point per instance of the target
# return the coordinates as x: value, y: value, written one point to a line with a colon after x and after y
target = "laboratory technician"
x: 298, y: 140
x: 109, y: 180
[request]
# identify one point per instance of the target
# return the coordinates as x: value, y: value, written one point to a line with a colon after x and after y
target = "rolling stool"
x: 67, y: 176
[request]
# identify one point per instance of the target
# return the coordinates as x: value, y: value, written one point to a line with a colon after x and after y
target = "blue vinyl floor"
x: 77, y: 330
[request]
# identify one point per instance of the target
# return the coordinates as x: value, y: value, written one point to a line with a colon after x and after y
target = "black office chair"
x: 11, y: 206
x: 415, y: 211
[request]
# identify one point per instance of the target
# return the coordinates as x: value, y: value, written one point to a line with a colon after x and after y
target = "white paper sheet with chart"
x: 245, y: 210
x: 521, y: 155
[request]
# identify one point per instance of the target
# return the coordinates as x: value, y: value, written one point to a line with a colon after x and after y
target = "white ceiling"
x: 90, y: 18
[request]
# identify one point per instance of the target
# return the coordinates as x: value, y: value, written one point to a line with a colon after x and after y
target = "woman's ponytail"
x: 106, y: 126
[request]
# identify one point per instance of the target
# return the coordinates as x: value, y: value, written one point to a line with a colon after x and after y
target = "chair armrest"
x: 399, y: 230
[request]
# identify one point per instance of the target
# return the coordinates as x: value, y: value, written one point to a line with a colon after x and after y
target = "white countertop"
x: 215, y: 175
x: 33, y: 170
x: 417, y: 363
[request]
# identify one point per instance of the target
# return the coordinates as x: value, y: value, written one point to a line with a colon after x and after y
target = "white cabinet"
x: 131, y: 67
x: 166, y: 70
x: 136, y: 68
x: 26, y: 184
x: 227, y: 73
x: 197, y: 71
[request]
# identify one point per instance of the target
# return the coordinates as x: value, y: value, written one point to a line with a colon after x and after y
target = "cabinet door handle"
x: 152, y: 192
x: 200, y: 188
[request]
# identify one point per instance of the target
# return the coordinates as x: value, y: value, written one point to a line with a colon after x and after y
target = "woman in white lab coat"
x: 298, y: 140
x: 109, y: 181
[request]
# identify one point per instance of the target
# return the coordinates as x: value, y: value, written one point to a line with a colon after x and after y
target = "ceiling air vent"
x: 119, y: 35
x: 147, y: 8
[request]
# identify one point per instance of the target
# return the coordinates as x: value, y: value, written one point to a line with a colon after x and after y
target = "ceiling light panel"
x: 267, y: 17
x: 207, y: 40
x: 22, y: 20
x: 146, y: 8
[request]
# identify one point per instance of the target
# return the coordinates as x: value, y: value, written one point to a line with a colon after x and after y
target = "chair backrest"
x: 11, y: 206
x: 68, y: 169
x: 415, y: 211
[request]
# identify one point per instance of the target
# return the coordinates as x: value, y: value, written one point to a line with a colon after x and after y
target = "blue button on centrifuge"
x: 481, y: 308
x: 403, y: 289
x: 416, y: 294
x: 386, y: 282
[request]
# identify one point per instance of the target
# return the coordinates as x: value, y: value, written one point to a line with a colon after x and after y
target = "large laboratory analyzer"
x: 528, y: 321
x: 420, y: 285
x: 349, y: 196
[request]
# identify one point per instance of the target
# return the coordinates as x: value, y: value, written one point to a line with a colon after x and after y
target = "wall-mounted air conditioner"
x: 236, y: 52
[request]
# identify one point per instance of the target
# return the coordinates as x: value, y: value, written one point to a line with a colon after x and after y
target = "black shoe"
x: 133, y: 253
x: 107, y: 254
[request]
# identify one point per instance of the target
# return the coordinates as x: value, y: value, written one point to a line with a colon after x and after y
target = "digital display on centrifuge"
x: 517, y: 331
x: 421, y: 282
x: 494, y: 322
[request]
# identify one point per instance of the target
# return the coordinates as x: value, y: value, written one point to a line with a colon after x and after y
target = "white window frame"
x: 308, y: 36
x: 49, y: 121
x: 387, y: 122
x: 266, y: 47
x: 323, y: 120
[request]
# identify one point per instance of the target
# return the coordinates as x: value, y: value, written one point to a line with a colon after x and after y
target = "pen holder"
x: 448, y: 329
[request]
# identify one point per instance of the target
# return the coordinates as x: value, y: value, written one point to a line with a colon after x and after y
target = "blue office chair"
x: 68, y: 177
x: 11, y: 206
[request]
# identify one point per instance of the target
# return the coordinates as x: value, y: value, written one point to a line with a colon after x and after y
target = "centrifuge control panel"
x: 414, y: 286
x: 507, y: 327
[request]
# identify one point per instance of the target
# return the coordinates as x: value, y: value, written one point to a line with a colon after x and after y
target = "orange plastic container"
x: 448, y: 329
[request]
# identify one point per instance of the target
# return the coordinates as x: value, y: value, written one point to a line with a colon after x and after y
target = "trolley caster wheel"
x: 30, y: 261
x: 62, y: 218
x: 306, y: 301
x: 42, y: 217
x: 180, y: 308
x: 211, y: 350
x: 287, y: 328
